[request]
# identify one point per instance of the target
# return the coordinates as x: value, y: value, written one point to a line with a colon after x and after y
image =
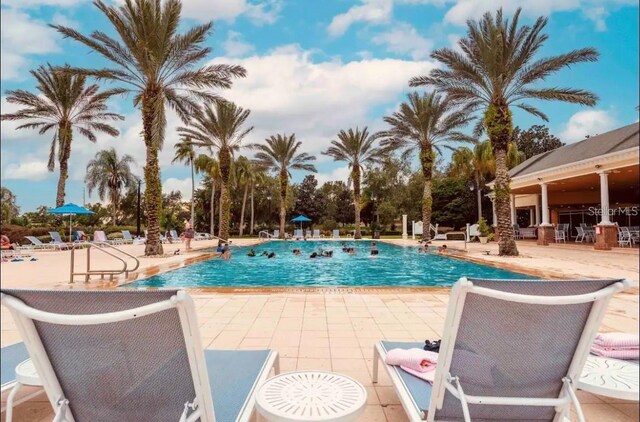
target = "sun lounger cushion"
x: 10, y: 357
x: 232, y: 377
x: 420, y: 390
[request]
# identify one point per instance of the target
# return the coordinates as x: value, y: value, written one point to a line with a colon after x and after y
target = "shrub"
x: 15, y: 233
x: 483, y: 227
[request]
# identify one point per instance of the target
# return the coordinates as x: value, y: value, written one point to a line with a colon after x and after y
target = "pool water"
x: 394, y: 266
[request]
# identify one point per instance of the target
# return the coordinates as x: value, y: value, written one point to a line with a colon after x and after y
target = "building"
x: 594, y: 181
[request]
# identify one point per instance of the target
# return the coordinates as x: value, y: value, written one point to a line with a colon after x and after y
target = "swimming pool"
x: 394, y: 266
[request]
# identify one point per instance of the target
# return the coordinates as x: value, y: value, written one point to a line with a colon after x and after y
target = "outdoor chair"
x: 126, y: 237
x: 174, y: 235
x: 202, y: 236
x: 133, y: 356
x: 297, y: 233
x: 511, y: 350
x: 56, y: 239
x: 99, y: 236
x: 10, y: 357
x: 37, y: 244
x: 163, y: 239
x: 316, y: 233
x: 624, y: 236
x: 559, y: 235
x: 516, y: 231
x: 582, y: 235
x: 276, y: 234
x: 336, y: 234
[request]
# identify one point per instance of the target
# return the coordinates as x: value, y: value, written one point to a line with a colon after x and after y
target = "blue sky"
x: 313, y: 68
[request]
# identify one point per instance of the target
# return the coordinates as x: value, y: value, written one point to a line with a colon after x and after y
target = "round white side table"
x: 610, y: 377
x: 25, y: 375
x: 311, y: 396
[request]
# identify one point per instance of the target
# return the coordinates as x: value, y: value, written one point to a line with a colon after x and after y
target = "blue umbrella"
x: 71, y: 210
x: 301, y: 219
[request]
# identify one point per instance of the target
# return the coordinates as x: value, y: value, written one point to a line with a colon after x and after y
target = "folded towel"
x: 417, y: 362
x: 617, y: 341
x: 624, y: 354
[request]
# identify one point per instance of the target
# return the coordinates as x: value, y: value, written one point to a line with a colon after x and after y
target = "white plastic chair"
x: 511, y: 350
x: 559, y: 235
x: 336, y: 234
x: 624, y: 236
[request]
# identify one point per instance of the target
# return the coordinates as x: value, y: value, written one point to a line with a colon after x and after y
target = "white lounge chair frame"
x: 444, y: 381
x: 202, y: 405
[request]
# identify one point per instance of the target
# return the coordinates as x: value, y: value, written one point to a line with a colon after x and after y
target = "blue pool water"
x: 394, y: 266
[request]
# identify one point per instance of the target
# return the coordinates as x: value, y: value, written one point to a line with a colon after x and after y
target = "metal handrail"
x: 265, y: 233
x: 89, y: 272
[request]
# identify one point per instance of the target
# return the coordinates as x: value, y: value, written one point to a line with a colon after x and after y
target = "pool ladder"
x: 102, y: 247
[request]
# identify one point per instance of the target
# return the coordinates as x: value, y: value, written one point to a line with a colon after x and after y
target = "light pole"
x: 138, y: 210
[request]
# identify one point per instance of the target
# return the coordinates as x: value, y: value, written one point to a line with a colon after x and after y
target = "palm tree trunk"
x: 153, y: 184
x: 224, y: 156
x: 251, y: 223
x: 355, y: 176
x: 114, y: 203
x: 193, y: 194
x: 65, y: 136
x: 498, y: 123
x: 426, y: 160
x: 479, y: 195
x: 244, y: 203
x: 213, y: 207
x: 284, y: 182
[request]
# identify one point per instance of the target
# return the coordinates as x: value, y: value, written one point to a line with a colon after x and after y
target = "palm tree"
x: 110, y: 174
x: 63, y: 104
x: 280, y: 154
x: 496, y: 69
x: 219, y: 127
x: 211, y: 168
x: 185, y: 154
x: 358, y: 149
x: 426, y: 124
x: 8, y: 205
x: 259, y: 178
x: 245, y: 171
x: 159, y: 66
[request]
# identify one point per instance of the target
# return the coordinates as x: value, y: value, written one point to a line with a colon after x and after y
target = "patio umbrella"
x: 71, y: 210
x: 301, y: 219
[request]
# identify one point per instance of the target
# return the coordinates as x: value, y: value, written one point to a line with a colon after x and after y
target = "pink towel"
x: 624, y: 354
x: 617, y: 341
x: 417, y: 362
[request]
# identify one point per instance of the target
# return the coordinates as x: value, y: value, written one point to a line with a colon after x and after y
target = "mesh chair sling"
x: 130, y: 355
x: 511, y: 350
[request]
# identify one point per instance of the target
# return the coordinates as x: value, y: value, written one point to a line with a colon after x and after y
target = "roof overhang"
x: 614, y: 160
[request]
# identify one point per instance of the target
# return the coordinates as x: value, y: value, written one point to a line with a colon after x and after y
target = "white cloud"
x: 34, y: 170
x: 403, y: 38
x: 182, y: 185
x: 22, y: 35
x: 372, y: 11
x: 37, y: 3
x: 587, y: 122
x: 315, y: 100
x: 235, y: 46
x: 265, y: 12
x: 339, y: 174
x: 595, y: 10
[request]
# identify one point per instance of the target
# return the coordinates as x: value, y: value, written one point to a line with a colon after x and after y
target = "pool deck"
x: 335, y: 329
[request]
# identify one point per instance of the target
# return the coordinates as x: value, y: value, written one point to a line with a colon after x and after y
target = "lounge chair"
x: 99, y: 236
x: 133, y: 356
x: 162, y: 238
x: 174, y: 235
x: 202, y: 236
x: 511, y: 350
x: 126, y: 237
x: 37, y: 244
x: 56, y: 239
x: 10, y: 357
x: 297, y: 233
x: 336, y: 234
x: 276, y: 234
x: 316, y: 233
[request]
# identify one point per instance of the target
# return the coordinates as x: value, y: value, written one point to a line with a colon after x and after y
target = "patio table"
x: 610, y: 377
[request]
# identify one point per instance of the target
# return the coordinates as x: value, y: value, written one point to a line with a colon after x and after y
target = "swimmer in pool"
x: 442, y: 249
x: 271, y: 255
x: 374, y: 249
x: 314, y: 255
x: 264, y: 253
x: 251, y: 253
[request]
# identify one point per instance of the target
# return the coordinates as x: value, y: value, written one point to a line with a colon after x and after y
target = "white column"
x: 404, y: 226
x: 514, y: 218
x: 537, y: 209
x: 413, y: 229
x: 532, y: 219
x: 545, y: 205
x: 604, y: 198
x: 467, y: 233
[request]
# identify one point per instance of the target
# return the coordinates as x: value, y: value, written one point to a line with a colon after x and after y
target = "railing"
x: 111, y: 272
x: 265, y: 235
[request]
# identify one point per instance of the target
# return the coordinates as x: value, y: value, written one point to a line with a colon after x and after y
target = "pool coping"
x: 452, y: 252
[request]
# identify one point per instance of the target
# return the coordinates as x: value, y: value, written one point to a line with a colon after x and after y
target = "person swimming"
x: 351, y: 251
x: 251, y: 253
x: 374, y: 249
x: 271, y: 255
x: 297, y: 252
x: 327, y: 254
x: 313, y: 255
x: 264, y: 253
x: 442, y: 248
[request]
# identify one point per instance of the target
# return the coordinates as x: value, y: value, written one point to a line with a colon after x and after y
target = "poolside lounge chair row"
x: 492, y: 364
